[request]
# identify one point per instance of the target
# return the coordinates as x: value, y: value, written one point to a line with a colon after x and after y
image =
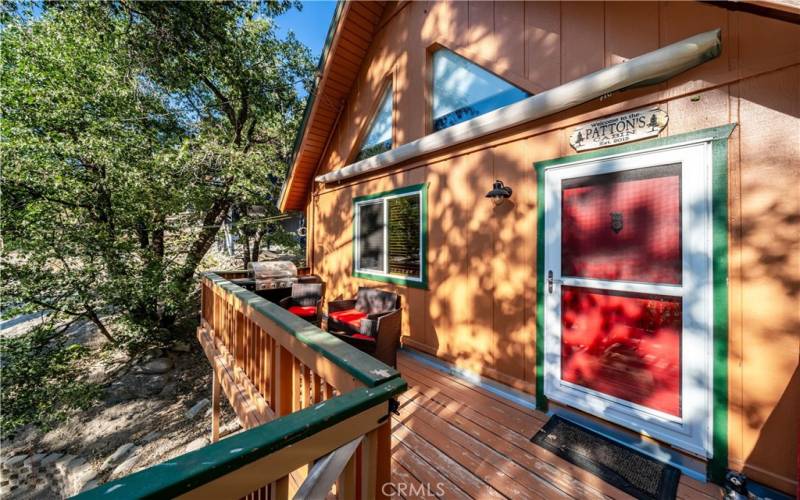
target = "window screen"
x: 623, y: 344
x: 623, y: 226
x: 379, y: 135
x: 463, y: 90
x: 404, y: 236
x: 389, y: 235
x: 371, y: 236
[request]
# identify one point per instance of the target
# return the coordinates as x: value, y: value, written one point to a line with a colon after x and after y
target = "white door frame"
x: 692, y: 430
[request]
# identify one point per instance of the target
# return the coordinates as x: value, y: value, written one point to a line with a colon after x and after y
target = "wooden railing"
x: 308, y: 402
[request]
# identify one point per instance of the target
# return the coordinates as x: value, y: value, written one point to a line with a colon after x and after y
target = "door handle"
x: 550, y: 281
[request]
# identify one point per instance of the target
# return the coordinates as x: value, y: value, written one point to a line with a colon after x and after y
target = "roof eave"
x: 311, y: 100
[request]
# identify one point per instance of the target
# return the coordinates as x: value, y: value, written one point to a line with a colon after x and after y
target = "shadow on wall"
x: 479, y: 311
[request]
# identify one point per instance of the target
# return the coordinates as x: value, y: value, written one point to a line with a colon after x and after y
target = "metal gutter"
x: 647, y: 69
x: 311, y: 99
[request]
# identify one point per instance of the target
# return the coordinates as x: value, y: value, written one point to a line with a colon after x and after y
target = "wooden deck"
x: 465, y: 441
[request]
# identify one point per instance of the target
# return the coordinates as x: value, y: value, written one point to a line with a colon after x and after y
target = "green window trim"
x: 718, y: 137
x: 422, y: 281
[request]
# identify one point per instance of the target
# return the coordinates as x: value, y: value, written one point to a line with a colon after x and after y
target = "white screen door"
x: 628, y: 291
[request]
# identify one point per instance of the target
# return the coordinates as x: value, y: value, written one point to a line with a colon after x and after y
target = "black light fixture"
x: 499, y: 192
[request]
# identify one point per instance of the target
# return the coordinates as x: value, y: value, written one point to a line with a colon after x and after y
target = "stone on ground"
x: 151, y: 436
x: 197, y: 408
x: 94, y: 483
x: 196, y: 444
x: 118, y: 455
x: 181, y: 346
x: 125, y: 467
x: 51, y: 458
x: 157, y: 366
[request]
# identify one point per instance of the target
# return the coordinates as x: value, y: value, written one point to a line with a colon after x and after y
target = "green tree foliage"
x: 129, y: 131
x: 40, y: 383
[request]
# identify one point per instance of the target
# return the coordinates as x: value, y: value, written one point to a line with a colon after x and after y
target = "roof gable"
x: 352, y: 28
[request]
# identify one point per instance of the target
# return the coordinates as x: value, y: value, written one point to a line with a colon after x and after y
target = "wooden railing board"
x: 363, y: 367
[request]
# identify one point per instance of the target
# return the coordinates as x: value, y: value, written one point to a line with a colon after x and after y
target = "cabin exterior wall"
x: 479, y: 309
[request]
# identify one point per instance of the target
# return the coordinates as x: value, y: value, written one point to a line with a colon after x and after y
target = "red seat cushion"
x: 349, y: 316
x: 303, y: 311
x: 363, y: 337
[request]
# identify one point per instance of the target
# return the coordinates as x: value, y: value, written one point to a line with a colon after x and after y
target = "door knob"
x: 550, y: 281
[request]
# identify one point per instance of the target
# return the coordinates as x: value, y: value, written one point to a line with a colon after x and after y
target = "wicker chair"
x: 305, y: 301
x: 370, y: 322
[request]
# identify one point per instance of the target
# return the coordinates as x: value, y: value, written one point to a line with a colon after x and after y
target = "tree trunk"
x: 92, y: 315
x: 255, y: 253
x: 245, y: 249
x: 211, y: 224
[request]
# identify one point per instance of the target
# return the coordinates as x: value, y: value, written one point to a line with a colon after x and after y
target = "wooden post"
x: 284, y: 370
x: 215, y: 400
x: 280, y: 489
x: 383, y: 460
x: 368, y: 465
x: 346, y: 484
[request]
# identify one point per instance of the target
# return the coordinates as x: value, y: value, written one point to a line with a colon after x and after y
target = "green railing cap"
x: 363, y: 367
x: 191, y: 470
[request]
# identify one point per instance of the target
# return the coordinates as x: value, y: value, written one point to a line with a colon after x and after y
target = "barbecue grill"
x: 273, y: 279
x: 273, y: 274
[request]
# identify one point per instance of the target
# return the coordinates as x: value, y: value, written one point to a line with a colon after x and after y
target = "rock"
x: 157, y: 366
x: 15, y: 460
x: 64, y: 461
x: 150, y: 385
x: 118, y: 455
x: 150, y: 437
x: 197, y: 408
x: 49, y: 459
x: 94, y: 483
x: 169, y: 390
x: 181, y: 346
x: 152, y: 353
x: 126, y: 466
x: 118, y: 392
x: 34, y: 459
x: 195, y: 445
x: 230, y: 427
x: 80, y: 476
x: 75, y: 465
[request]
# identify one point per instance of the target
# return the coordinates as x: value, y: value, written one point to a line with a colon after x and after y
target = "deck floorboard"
x: 463, y: 441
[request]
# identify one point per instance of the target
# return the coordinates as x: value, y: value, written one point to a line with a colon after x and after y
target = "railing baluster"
x: 317, y: 396
x: 346, y: 484
x: 285, y: 382
x: 275, y: 368
x: 216, y: 394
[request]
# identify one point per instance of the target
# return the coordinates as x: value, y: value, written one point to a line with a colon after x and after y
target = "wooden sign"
x: 619, y: 129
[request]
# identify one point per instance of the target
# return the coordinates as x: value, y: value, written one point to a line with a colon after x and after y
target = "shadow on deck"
x: 454, y: 439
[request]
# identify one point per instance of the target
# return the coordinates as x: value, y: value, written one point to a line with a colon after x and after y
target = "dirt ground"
x: 146, y: 409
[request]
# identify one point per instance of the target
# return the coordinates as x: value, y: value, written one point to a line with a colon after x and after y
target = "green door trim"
x: 718, y: 137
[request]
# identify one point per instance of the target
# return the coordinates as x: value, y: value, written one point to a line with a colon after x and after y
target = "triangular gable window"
x: 462, y: 90
x: 379, y: 135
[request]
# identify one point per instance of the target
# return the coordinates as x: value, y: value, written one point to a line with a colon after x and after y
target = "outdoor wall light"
x: 499, y: 192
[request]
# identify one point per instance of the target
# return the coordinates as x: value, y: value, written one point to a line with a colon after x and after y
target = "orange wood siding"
x: 479, y: 310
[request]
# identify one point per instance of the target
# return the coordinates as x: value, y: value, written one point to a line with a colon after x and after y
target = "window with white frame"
x: 389, y: 235
x: 463, y: 90
x: 379, y: 134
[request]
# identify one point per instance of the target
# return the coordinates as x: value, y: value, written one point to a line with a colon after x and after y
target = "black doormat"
x: 627, y: 469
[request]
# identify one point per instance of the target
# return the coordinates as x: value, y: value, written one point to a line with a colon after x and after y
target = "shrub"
x: 40, y: 380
